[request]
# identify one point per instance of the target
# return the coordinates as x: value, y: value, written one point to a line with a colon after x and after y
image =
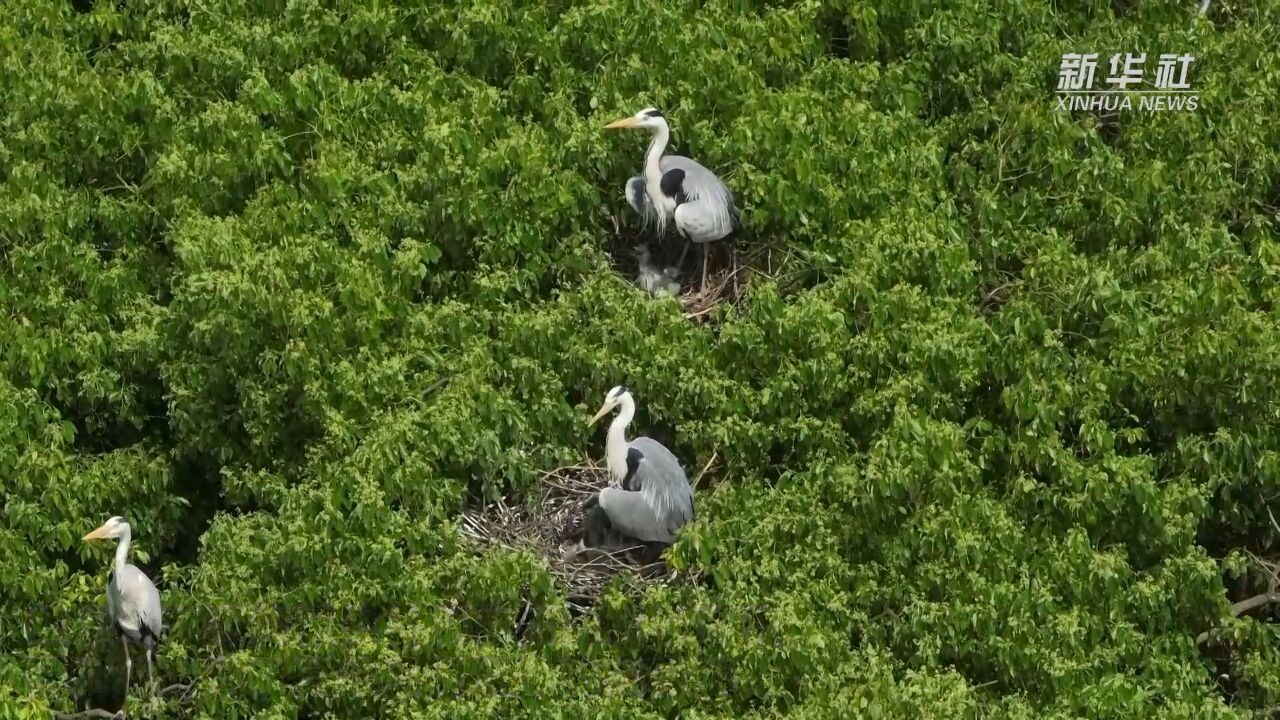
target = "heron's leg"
x: 151, y: 674
x: 128, y: 667
x: 733, y: 252
x: 706, y: 253
x: 684, y: 253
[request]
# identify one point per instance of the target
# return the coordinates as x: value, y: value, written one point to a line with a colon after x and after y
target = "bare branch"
x: 1254, y: 603
x: 1269, y: 567
x: 705, y: 468
x: 83, y: 715
x: 1250, y: 604
x: 175, y: 689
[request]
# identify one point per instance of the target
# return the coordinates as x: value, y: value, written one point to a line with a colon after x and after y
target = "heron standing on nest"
x: 654, y: 501
x: 133, y: 603
x: 677, y: 188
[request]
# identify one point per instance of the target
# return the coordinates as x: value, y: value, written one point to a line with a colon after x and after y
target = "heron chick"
x: 654, y: 281
x: 654, y: 500
x: 678, y: 189
x: 133, y: 603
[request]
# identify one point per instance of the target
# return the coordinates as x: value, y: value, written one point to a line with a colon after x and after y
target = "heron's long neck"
x: 616, y: 443
x: 657, y: 146
x: 653, y: 170
x: 122, y: 550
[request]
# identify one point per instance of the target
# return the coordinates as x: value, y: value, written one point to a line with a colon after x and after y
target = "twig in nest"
x: 700, y: 313
x: 703, y: 300
x: 1250, y: 604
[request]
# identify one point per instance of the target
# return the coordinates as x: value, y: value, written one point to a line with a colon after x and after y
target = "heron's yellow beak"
x: 604, y: 410
x: 625, y: 122
x: 98, y: 534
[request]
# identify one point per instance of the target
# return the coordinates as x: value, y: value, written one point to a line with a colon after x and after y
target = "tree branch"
x: 1249, y: 604
x: 174, y: 689
x: 84, y: 715
x: 705, y: 468
x: 1254, y: 603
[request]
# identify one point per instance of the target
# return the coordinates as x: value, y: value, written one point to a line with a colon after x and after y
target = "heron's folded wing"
x: 664, y: 484
x: 139, y: 602
x: 702, y: 185
x: 631, y: 515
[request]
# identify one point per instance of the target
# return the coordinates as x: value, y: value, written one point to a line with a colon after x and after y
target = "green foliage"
x: 288, y: 284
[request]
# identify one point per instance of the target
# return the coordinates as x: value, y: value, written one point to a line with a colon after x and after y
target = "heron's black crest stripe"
x: 622, y: 389
x: 672, y: 184
x: 653, y: 113
x: 634, y: 457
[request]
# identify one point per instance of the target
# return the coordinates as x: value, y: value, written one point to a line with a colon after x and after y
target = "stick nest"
x: 726, y: 284
x: 554, y: 526
x: 729, y: 271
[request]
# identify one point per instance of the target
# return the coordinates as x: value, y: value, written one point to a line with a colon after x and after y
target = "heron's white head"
x: 642, y: 253
x: 649, y: 118
x: 114, y: 528
x: 612, y: 399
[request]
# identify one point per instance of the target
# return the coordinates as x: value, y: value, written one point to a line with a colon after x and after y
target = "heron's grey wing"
x: 638, y: 196
x: 664, y: 484
x: 138, y: 611
x: 632, y: 516
x: 703, y: 188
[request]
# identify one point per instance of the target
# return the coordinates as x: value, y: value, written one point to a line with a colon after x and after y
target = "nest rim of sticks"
x: 552, y: 526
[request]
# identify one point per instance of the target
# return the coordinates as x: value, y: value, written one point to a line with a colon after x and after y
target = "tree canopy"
x: 291, y: 284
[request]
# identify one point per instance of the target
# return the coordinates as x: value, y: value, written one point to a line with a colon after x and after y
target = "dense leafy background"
x: 290, y: 283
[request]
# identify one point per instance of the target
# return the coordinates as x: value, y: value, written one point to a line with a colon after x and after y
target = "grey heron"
x: 680, y: 189
x: 133, y: 603
x: 655, y: 281
x: 655, y: 500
